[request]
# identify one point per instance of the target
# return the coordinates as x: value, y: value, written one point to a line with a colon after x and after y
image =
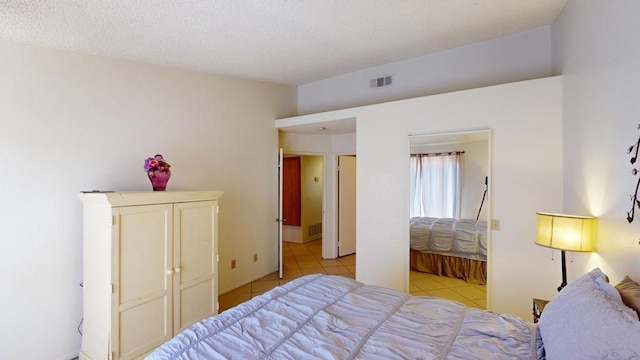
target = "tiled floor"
x: 304, y: 259
x: 298, y: 260
x: 472, y: 295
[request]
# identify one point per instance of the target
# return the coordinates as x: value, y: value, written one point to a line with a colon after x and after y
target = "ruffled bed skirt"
x: 471, y: 271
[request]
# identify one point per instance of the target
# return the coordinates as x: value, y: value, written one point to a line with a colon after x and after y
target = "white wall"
x: 526, y: 173
x: 595, y: 46
x: 476, y: 164
x: 511, y: 58
x: 71, y: 122
x: 526, y: 147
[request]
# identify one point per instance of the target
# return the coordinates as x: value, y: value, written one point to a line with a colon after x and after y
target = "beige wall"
x: 312, y: 193
x: 71, y: 122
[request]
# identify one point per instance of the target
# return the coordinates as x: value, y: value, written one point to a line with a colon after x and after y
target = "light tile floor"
x: 304, y: 259
x: 472, y: 295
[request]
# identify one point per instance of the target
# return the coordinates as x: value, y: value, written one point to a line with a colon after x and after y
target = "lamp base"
x: 564, y: 271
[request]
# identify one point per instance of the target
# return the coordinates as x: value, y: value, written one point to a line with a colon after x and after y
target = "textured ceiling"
x: 282, y: 41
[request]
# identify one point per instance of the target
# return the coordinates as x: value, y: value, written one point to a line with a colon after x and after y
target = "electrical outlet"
x: 255, y: 257
x: 233, y: 263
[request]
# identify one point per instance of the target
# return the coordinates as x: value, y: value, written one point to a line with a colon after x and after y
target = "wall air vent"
x: 381, y: 82
x: 315, y: 230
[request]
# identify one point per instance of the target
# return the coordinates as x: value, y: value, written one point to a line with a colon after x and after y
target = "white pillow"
x: 588, y: 320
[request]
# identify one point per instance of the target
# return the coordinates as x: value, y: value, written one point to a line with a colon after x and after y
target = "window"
x: 436, y: 184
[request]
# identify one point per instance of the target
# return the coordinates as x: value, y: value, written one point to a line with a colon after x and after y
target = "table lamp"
x: 565, y: 233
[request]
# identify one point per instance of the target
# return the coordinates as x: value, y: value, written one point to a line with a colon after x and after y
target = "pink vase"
x: 159, y: 179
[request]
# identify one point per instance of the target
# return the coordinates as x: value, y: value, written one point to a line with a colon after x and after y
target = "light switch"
x: 495, y: 225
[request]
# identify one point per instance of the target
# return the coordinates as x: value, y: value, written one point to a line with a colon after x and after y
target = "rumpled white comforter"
x: 464, y: 238
x: 332, y: 317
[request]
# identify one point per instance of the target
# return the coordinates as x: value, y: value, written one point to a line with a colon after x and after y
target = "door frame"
x: 488, y: 201
x: 279, y: 218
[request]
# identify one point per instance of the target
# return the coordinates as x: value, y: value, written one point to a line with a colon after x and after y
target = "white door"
x: 346, y: 205
x: 279, y: 220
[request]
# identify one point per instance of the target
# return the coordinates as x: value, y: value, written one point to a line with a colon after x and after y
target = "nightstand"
x: 538, y: 307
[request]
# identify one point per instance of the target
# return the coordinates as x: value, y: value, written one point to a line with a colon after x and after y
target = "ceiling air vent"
x: 381, y: 82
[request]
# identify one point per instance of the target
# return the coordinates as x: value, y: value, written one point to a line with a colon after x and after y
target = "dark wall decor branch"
x: 634, y: 172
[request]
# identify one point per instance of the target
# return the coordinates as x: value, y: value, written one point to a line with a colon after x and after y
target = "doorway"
x: 453, y: 263
x: 303, y: 198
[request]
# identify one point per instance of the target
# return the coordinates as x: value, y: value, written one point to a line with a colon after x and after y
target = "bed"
x: 332, y: 317
x: 449, y: 247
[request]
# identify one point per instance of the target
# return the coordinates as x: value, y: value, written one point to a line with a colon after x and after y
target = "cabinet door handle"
x: 178, y: 270
x: 170, y: 272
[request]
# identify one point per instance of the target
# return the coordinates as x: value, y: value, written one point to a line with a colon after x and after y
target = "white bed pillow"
x: 588, y: 320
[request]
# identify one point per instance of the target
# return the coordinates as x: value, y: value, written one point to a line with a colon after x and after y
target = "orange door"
x: 291, y: 205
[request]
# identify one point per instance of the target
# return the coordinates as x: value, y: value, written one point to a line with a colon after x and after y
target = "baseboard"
x: 222, y: 292
x: 71, y: 356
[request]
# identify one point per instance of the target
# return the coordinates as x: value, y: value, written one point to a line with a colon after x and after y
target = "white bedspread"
x: 464, y: 238
x: 332, y: 317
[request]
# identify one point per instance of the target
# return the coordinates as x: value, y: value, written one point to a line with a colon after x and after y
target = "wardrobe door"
x: 142, y: 279
x: 195, y: 294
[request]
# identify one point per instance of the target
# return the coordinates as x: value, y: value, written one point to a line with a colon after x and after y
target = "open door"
x: 346, y: 205
x: 279, y: 219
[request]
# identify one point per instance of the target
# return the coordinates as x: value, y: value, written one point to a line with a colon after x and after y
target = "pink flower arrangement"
x: 156, y: 163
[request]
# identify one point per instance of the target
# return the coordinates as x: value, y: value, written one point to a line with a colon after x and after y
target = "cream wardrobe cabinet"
x: 150, y: 269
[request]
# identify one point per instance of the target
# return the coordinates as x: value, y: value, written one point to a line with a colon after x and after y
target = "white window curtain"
x: 436, y: 183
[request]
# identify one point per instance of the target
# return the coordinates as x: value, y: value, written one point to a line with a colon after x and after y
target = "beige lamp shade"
x: 566, y: 232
